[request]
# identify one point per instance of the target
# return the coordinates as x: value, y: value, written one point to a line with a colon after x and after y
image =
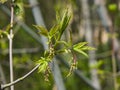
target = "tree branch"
x: 10, y: 37
x: 20, y: 79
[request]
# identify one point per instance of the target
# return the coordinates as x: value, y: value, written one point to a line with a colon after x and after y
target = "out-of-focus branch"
x: 89, y: 39
x: 22, y: 50
x: 78, y: 73
x: 108, y: 25
x: 23, y: 25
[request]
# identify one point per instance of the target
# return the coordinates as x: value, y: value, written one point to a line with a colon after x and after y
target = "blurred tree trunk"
x: 54, y: 65
x: 108, y: 24
x: 89, y: 39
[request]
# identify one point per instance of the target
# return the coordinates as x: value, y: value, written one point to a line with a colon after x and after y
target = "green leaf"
x: 43, y: 64
x: 97, y: 65
x: 42, y: 30
x: 8, y: 27
x: 62, y: 42
x: 3, y: 1
x: 81, y: 52
x: 87, y: 48
x: 53, y: 30
x: 79, y: 45
x: 64, y: 22
x: 19, y: 9
x: 3, y: 32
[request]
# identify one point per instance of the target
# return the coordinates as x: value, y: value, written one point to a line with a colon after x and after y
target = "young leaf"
x: 79, y: 45
x: 3, y: 32
x: 80, y: 51
x: 7, y: 28
x: 87, y: 48
x: 42, y: 29
x: 19, y: 9
x: 62, y: 42
x: 53, y: 30
x: 43, y: 64
x: 63, y: 23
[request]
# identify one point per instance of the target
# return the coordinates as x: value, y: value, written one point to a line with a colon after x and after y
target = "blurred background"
x: 94, y: 21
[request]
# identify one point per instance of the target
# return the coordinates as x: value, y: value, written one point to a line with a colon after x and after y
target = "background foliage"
x: 27, y: 50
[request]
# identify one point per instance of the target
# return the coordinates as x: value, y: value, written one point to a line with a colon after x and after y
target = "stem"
x: 114, y: 62
x: 10, y: 37
x: 20, y: 79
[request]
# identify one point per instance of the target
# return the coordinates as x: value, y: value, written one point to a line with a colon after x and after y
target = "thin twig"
x: 114, y: 66
x: 20, y: 50
x: 20, y: 79
x: 10, y: 37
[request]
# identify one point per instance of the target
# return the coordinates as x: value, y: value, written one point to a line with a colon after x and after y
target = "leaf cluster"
x: 54, y: 40
x: 5, y: 32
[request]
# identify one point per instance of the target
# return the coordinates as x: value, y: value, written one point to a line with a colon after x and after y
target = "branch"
x: 10, y: 37
x: 20, y: 79
x: 21, y: 50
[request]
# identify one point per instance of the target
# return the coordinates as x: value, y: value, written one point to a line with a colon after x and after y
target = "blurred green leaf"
x: 112, y: 7
x: 97, y: 65
x: 62, y: 42
x: 7, y: 28
x: 19, y: 9
x: 3, y: 1
x: 3, y: 32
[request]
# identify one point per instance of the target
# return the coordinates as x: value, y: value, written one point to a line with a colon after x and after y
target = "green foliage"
x: 64, y: 22
x: 81, y: 47
x: 98, y: 64
x: 5, y: 32
x: 19, y: 9
x: 43, y: 64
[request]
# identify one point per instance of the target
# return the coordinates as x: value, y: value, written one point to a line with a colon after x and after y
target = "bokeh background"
x: 94, y: 21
